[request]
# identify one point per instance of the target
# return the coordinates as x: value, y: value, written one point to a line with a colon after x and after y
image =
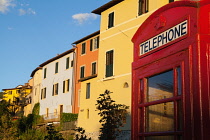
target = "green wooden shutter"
x: 91, y: 44
x: 88, y: 91
x: 53, y: 90
x: 109, y: 63
x: 98, y: 42
x: 64, y: 87
x: 111, y: 20
x: 67, y: 62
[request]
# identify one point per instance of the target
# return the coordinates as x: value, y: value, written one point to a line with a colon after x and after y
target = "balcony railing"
x: 51, y: 117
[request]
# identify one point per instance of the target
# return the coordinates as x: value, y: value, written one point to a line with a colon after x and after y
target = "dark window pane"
x: 160, y: 117
x: 160, y: 86
x: 109, y: 63
x: 45, y: 72
x: 67, y: 62
x: 88, y: 91
x: 64, y: 86
x: 72, y: 63
x: 56, y: 67
x: 83, y: 48
x: 111, y: 20
x: 143, y: 6
x: 91, y: 44
x: 82, y: 72
x: 93, y: 68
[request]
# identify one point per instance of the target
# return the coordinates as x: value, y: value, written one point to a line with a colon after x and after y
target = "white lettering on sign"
x: 163, y: 38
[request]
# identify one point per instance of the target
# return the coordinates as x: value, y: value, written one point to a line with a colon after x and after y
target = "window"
x: 88, y: 113
x: 55, y: 112
x: 45, y: 72
x: 93, y: 68
x: 72, y: 63
x: 66, y: 86
x: 171, y: 1
x: 47, y: 112
x: 143, y: 6
x: 82, y: 72
x: 67, y: 62
x: 111, y: 20
x: 83, y: 48
x: 56, y: 67
x: 55, y: 89
x: 161, y: 104
x: 61, y: 109
x: 88, y: 91
x: 109, y: 63
x: 94, y: 43
x: 43, y: 93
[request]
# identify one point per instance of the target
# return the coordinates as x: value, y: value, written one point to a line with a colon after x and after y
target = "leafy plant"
x: 53, y: 134
x: 112, y: 116
x: 68, y: 117
x: 36, y: 108
x: 81, y: 134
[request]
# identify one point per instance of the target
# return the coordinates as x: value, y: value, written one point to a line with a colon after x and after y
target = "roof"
x: 85, y: 38
x: 19, y: 87
x: 34, y: 71
x: 106, y: 6
x: 57, y: 57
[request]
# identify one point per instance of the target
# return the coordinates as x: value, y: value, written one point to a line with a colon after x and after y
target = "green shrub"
x: 112, y: 116
x: 68, y: 117
x: 36, y: 108
x: 52, y: 133
x: 33, y: 134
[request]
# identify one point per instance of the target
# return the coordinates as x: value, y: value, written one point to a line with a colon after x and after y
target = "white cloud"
x: 5, y: 4
x: 28, y: 11
x: 82, y: 17
x: 9, y: 28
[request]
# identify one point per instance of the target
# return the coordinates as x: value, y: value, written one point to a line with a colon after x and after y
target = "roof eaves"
x: 34, y: 71
x: 57, y: 57
x: 87, y: 37
x: 106, y: 6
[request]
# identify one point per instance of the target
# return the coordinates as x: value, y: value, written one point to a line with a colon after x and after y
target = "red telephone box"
x: 171, y: 74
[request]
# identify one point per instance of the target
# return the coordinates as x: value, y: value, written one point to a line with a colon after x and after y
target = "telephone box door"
x: 163, y: 96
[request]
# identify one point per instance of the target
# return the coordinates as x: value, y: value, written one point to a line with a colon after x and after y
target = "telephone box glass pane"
x: 160, y: 117
x: 160, y: 86
x: 160, y: 138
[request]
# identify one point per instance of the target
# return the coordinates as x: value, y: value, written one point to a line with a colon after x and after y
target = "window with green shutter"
x: 88, y: 91
x: 45, y: 73
x: 143, y: 6
x: 91, y: 44
x: 109, y: 63
x: 82, y: 72
x: 83, y: 48
x: 93, y: 68
x: 56, y: 67
x: 67, y: 62
x: 111, y: 20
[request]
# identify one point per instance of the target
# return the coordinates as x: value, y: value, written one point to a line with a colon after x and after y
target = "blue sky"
x: 33, y: 31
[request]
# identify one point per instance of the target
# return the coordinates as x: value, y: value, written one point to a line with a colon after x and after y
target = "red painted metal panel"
x: 191, y: 52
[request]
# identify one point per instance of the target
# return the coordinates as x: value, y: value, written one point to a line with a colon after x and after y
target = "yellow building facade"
x: 119, y: 21
x: 17, y: 97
